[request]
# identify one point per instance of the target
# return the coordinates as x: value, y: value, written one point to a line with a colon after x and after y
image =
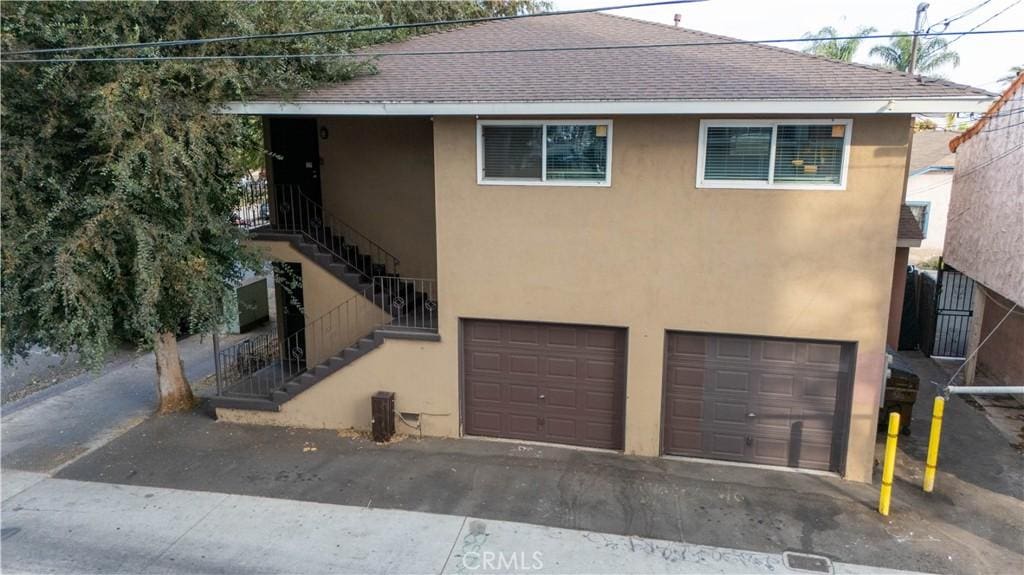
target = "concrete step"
x: 248, y: 403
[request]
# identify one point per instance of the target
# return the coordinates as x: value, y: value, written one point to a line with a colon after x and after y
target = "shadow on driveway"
x: 702, y: 503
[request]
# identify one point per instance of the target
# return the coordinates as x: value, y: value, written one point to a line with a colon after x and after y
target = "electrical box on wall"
x: 382, y: 410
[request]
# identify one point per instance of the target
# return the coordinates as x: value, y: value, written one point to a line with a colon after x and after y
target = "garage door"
x: 757, y: 400
x: 544, y: 382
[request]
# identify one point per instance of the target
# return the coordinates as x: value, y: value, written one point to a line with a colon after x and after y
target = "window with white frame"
x: 554, y: 153
x: 920, y: 211
x: 777, y: 154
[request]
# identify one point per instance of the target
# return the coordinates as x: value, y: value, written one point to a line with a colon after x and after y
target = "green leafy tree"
x: 843, y: 50
x: 119, y: 178
x: 932, y: 54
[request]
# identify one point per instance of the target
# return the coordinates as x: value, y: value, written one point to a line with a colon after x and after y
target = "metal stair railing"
x: 259, y: 366
x: 411, y: 302
x: 295, y: 212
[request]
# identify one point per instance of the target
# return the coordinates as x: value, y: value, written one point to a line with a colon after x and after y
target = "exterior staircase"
x: 262, y: 373
x: 347, y: 253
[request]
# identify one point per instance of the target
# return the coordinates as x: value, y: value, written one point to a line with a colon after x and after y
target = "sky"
x: 983, y: 59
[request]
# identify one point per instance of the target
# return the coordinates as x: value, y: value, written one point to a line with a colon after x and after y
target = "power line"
x: 967, y: 172
x: 488, y: 51
x: 377, y: 28
x: 1000, y: 128
x: 946, y: 22
x: 999, y: 114
x: 990, y: 18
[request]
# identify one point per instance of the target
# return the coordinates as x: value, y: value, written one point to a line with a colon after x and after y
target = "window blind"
x: 737, y: 153
x: 512, y: 152
x: 809, y: 154
x: 577, y: 152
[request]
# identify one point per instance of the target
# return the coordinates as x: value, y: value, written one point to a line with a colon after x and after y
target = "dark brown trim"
x: 462, y: 380
x: 844, y: 406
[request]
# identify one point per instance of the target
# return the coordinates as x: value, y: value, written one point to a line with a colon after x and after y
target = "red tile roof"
x: 705, y: 72
x: 1007, y: 95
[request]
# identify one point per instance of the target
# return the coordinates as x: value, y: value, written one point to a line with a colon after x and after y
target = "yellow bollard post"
x: 889, y: 463
x: 933, y: 444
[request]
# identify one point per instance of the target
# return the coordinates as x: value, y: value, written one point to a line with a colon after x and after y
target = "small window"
x: 798, y: 154
x: 920, y: 212
x: 566, y: 153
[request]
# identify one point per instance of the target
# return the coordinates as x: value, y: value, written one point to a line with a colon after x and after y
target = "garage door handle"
x: 541, y: 396
x: 751, y: 414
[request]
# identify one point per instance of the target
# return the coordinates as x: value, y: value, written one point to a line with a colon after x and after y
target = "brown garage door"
x: 545, y: 382
x: 759, y: 400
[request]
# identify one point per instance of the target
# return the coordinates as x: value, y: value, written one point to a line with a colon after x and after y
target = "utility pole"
x: 921, y: 8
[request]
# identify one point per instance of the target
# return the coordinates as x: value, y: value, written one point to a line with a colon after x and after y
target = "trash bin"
x: 900, y: 393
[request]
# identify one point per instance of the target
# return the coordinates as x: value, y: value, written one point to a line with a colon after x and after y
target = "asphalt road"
x: 55, y: 425
x: 41, y: 369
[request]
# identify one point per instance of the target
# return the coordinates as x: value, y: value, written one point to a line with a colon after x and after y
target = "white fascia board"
x: 758, y: 107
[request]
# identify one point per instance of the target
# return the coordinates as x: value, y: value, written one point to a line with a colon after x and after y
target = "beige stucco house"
x: 527, y: 233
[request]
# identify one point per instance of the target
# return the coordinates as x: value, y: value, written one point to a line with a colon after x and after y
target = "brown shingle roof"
x: 909, y: 228
x: 931, y: 149
x: 724, y: 72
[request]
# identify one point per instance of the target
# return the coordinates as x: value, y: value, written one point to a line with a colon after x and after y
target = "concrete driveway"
x: 973, y: 523
x: 64, y: 526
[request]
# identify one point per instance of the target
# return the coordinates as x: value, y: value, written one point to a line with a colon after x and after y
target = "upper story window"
x: 550, y: 153
x: 774, y: 154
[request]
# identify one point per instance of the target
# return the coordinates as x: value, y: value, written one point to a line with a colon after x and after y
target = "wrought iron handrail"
x: 263, y: 364
x: 258, y: 366
x: 296, y: 212
x: 411, y: 302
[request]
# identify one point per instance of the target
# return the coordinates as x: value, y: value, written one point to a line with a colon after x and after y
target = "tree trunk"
x: 172, y: 388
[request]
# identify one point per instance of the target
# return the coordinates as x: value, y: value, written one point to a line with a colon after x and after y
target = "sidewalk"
x: 64, y: 526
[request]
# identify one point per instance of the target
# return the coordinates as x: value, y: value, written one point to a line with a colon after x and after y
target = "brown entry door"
x: 545, y: 382
x: 758, y: 400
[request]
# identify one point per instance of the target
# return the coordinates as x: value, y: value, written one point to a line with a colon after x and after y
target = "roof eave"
x: 947, y: 105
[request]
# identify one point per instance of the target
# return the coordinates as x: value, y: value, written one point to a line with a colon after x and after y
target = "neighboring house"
x: 985, y: 235
x: 681, y: 251
x: 928, y: 184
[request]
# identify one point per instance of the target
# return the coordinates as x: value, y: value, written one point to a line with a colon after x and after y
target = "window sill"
x: 552, y: 183
x: 741, y: 185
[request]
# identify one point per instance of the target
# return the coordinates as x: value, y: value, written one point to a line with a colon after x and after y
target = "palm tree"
x: 1014, y: 72
x: 843, y: 50
x: 931, y: 54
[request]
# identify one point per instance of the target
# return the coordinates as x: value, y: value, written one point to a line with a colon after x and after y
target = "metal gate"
x: 954, y: 306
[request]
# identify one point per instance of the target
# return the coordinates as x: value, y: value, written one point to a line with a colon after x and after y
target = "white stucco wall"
x: 985, y: 227
x: 932, y: 187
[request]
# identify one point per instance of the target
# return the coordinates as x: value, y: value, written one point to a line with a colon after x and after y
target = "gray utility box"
x: 250, y: 308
